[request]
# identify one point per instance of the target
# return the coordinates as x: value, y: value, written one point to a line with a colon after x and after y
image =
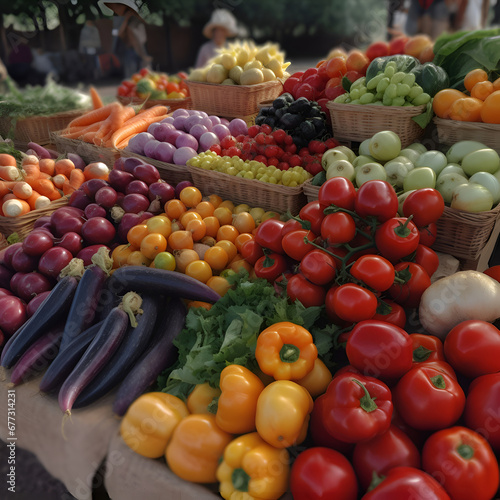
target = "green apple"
x: 452, y: 168
x: 364, y: 148
x: 418, y: 147
x: 411, y: 154
x: 396, y: 172
x: 340, y: 168
x: 461, y: 149
x: 418, y: 178
x: 385, y: 145
x: 330, y: 156
x: 447, y: 183
x: 490, y: 182
x: 482, y: 160
x: 369, y: 172
x: 433, y: 159
x: 472, y: 197
x: 361, y: 160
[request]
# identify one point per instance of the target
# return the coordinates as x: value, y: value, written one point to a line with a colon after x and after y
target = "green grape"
x: 409, y: 79
x: 273, y: 180
x: 232, y: 171
x: 248, y: 175
x: 262, y: 168
x: 379, y: 96
x: 355, y: 101
x: 348, y: 100
x: 341, y: 98
x: 286, y: 177
x: 371, y: 84
x: 415, y: 91
x: 258, y: 164
x: 398, y: 101
x: 360, y: 82
x: 403, y: 89
x: 354, y: 94
x: 278, y: 174
x: 386, y: 100
x: 407, y: 104
x: 398, y: 77
x: 362, y: 91
x: 259, y: 176
x: 293, y: 184
x: 367, y: 98
x: 378, y: 103
x: 383, y: 84
x: 391, y: 91
x: 206, y: 164
x: 423, y: 98
x: 389, y: 71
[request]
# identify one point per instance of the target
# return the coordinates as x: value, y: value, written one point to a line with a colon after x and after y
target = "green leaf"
x: 423, y: 119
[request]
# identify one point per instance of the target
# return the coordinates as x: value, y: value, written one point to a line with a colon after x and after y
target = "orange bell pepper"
x: 203, y: 399
x: 317, y: 380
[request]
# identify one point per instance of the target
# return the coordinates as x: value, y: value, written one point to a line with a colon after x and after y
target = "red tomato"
x: 377, y: 199
x: 482, y: 408
x: 428, y: 399
x: 313, y: 212
x: 251, y: 251
x: 330, y: 311
x: 464, y: 462
x: 408, y: 295
x: 397, y: 238
x: 407, y: 483
x: 268, y: 235
x: 395, y: 316
x: 374, y: 271
x: 321, y: 473
x: 309, y: 294
x: 377, y: 49
x: 290, y: 84
x: 291, y: 225
x: 338, y: 228
x: 270, y: 266
x: 383, y: 452
x: 428, y: 234
x: 427, y: 258
x: 317, y: 266
x: 426, y: 205
x: 294, y: 243
x: 338, y: 191
x: 439, y: 365
x: 493, y: 272
x: 473, y: 348
x: 426, y: 348
x: 379, y: 349
x: 304, y: 90
x: 354, y: 303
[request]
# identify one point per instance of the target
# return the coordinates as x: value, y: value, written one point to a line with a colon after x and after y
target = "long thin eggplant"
x: 135, y: 342
x: 160, y: 354
x: 97, y: 354
x: 38, y: 356
x: 83, y: 309
x: 53, y: 308
x: 64, y: 363
x: 160, y: 281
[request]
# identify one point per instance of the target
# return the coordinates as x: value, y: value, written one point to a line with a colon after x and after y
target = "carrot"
x: 7, y: 160
x: 96, y: 170
x: 46, y: 188
x: 29, y: 160
x: 15, y: 207
x: 36, y: 201
x: 8, y: 196
x: 96, y: 98
x: 59, y: 180
x: 115, y: 120
x: 96, y: 115
x: 132, y: 127
x: 67, y: 189
x: 81, y: 131
x: 4, y: 188
x: 64, y: 166
x: 9, y: 173
x: 47, y: 166
x: 22, y: 190
x: 76, y: 178
x: 31, y: 172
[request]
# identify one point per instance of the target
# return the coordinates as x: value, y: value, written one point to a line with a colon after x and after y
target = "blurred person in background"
x: 222, y: 25
x: 429, y: 17
x: 90, y: 45
x: 471, y: 14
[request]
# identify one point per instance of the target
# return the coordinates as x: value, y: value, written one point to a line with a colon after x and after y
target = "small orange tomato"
x: 181, y: 239
x: 242, y: 238
x: 160, y: 224
x: 227, y: 204
x: 214, y: 199
x: 212, y: 224
x: 136, y: 234
x: 152, y: 244
x: 205, y: 209
x: 189, y: 215
x: 219, y: 284
x: 120, y: 255
x: 198, y: 303
x: 229, y: 247
x: 165, y: 260
x: 244, y: 222
x: 197, y: 228
x: 216, y: 257
x: 227, y: 232
x: 174, y: 208
x: 137, y: 258
x: 224, y: 215
x: 190, y: 196
x: 199, y: 270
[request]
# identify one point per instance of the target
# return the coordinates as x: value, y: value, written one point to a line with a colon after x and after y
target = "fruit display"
x: 154, y: 85
x: 243, y: 63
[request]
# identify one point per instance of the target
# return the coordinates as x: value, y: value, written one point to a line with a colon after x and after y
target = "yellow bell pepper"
x: 317, y: 380
x: 150, y: 421
x: 286, y: 351
x: 196, y: 447
x: 202, y: 398
x: 238, y: 401
x: 253, y: 469
x: 283, y: 412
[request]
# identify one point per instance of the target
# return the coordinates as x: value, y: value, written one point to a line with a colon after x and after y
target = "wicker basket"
x: 23, y: 224
x: 251, y: 191
x: 311, y: 191
x: 169, y: 172
x: 463, y: 234
x: 88, y: 152
x: 232, y: 100
x: 38, y: 128
x: 357, y: 122
x: 452, y: 131
x: 172, y: 104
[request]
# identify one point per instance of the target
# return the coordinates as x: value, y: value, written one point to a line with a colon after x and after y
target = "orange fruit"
x: 496, y: 84
x: 444, y: 99
x: 473, y: 77
x: 466, y: 109
x: 482, y: 90
x: 490, y: 113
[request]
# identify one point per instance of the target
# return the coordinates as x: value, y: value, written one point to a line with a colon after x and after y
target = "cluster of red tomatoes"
x: 352, y: 252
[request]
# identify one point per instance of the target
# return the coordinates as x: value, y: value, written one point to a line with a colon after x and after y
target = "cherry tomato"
x: 268, y: 235
x: 199, y: 270
x: 294, y: 245
x: 319, y: 473
x: 317, y: 266
x: 152, y: 244
x: 270, y: 266
x: 378, y: 199
x: 464, y: 462
x: 397, y: 238
x: 396, y: 315
x: 374, y: 271
x: 383, y: 452
x: 301, y: 289
x: 338, y: 228
x: 354, y: 303
x: 428, y: 234
x: 313, y: 213
x: 340, y: 192
x: 379, y: 349
x: 426, y: 205
x: 291, y: 225
x: 427, y: 258
x: 473, y: 348
x: 408, y: 294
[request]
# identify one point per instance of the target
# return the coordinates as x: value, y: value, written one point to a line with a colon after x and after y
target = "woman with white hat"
x: 222, y: 25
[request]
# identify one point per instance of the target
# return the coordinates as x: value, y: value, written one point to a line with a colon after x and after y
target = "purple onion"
x: 180, y: 112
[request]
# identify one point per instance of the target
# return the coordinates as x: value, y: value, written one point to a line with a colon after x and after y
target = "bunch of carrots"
x: 112, y: 125
x: 37, y: 182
